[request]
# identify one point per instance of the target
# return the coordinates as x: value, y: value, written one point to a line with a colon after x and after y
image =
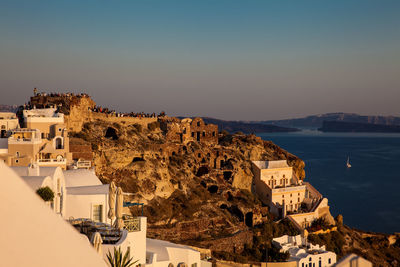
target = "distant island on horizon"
x: 329, y: 122
x: 316, y: 121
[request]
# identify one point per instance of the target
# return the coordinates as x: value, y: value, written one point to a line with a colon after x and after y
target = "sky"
x: 228, y: 59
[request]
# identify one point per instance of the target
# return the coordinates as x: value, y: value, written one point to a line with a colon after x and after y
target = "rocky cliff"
x: 195, y: 193
x: 192, y: 201
x: 199, y: 193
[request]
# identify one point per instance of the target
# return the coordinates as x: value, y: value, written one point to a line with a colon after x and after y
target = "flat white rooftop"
x: 271, y: 164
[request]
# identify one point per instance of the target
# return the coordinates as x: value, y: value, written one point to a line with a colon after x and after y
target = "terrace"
x: 109, y: 234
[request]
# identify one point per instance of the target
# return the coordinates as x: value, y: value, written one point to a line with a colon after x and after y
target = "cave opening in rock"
x: 213, y: 189
x: 249, y: 219
x: 235, y: 211
x: 223, y: 206
x: 227, y: 175
x: 230, y: 196
x: 111, y: 133
x: 202, y: 171
x: 136, y: 159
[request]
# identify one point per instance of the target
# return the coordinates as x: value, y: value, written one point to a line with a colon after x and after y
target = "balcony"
x: 289, y: 188
x: 83, y: 164
x: 131, y: 224
x: 51, y: 162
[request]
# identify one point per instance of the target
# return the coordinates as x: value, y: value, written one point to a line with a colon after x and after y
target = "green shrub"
x: 45, y: 193
x: 119, y: 259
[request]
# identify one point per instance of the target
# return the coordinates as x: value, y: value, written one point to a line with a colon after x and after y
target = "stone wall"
x: 232, y: 244
x: 187, y: 130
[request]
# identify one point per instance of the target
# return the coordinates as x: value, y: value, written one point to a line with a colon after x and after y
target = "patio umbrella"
x: 111, y: 201
x: 119, y: 223
x: 97, y: 241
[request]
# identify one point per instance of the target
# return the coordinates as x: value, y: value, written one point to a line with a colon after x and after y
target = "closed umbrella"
x: 111, y: 201
x: 119, y: 223
x: 97, y: 241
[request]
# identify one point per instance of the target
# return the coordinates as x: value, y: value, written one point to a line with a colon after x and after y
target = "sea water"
x: 368, y: 193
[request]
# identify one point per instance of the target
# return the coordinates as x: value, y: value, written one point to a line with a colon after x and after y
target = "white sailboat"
x: 348, y: 162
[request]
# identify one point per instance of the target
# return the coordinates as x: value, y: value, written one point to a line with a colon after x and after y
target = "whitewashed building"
x: 37, y: 177
x: 80, y: 195
x: 304, y: 253
x: 353, y: 260
x: 161, y: 253
x: 33, y: 235
x: 87, y: 197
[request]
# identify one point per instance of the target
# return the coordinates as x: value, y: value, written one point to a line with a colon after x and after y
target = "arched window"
x: 59, y: 144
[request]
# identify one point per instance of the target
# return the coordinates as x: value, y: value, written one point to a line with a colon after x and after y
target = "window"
x: 97, y: 215
x: 16, y: 161
x: 192, y: 134
x: 198, y: 123
x: 329, y: 260
x: 298, y: 199
x: 194, y: 264
x: 59, y: 129
x: 283, y: 196
x: 17, y: 153
x: 204, y: 134
x: 59, y: 144
x: 290, y: 195
x: 302, y: 265
x: 213, y: 134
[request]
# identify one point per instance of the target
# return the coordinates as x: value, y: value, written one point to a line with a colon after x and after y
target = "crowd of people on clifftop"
x: 97, y: 109
x: 107, y: 111
x: 59, y: 94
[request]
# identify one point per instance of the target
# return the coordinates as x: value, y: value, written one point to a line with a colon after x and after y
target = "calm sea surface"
x: 368, y: 194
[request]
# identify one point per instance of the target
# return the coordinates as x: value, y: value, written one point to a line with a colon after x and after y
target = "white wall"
x: 305, y: 262
x: 176, y: 254
x: 80, y: 206
x: 136, y: 241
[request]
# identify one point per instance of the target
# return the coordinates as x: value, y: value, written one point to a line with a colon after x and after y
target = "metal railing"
x: 80, y: 164
x: 52, y: 161
x: 132, y: 224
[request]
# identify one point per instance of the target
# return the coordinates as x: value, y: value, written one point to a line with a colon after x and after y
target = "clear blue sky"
x: 229, y: 59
